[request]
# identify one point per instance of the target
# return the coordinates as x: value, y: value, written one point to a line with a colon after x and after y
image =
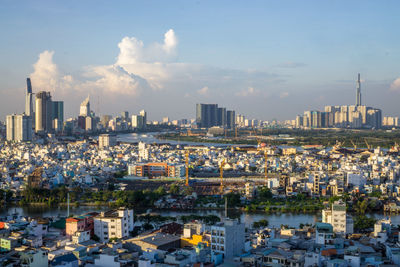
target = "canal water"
x: 274, y: 219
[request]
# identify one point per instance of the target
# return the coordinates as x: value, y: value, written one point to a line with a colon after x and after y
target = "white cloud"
x: 247, y: 92
x: 203, y: 91
x: 114, y: 79
x: 170, y: 41
x: 284, y: 94
x: 395, y: 86
x: 148, y: 69
x: 46, y: 75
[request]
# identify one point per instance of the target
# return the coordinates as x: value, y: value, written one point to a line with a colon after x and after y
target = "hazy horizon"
x: 263, y: 59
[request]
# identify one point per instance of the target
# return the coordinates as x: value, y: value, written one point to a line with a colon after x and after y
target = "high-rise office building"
x: 125, y: 115
x: 137, y: 121
x: 230, y: 119
x: 85, y: 108
x: 58, y: 115
x: 206, y: 115
x: 28, y: 98
x: 358, y: 99
x: 221, y: 117
x: 143, y: 113
x: 19, y: 127
x: 44, y: 113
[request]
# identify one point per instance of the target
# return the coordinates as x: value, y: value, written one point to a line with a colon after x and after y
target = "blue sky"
x: 265, y: 59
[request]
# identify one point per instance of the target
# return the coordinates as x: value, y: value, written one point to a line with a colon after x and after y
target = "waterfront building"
x: 338, y: 218
x: 143, y: 113
x: 138, y: 121
x: 228, y: 238
x: 113, y: 224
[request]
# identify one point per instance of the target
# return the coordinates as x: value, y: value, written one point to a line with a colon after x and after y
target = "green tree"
x: 361, y: 207
x: 174, y: 189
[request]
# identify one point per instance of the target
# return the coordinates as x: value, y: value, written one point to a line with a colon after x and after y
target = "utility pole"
x: 187, y: 167
x: 68, y: 205
x: 266, y: 165
x: 221, y: 174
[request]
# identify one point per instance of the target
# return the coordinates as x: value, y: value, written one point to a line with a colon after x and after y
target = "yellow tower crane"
x: 368, y: 145
x: 354, y: 145
x: 221, y: 176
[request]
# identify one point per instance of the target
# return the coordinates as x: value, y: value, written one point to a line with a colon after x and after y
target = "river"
x: 274, y: 219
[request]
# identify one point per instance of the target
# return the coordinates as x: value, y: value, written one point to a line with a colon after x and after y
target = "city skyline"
x: 165, y: 67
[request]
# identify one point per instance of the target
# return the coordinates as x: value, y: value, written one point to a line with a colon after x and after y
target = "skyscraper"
x: 28, y: 98
x: 85, y: 108
x: 221, y: 117
x: 206, y: 115
x: 58, y: 115
x: 44, y: 112
x: 137, y: 121
x: 358, y: 100
x: 230, y: 119
x: 19, y: 127
x: 143, y: 113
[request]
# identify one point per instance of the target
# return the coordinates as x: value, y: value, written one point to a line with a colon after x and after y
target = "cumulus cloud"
x: 247, y: 92
x: 395, y: 85
x: 170, y: 42
x: 148, y: 70
x: 114, y: 79
x: 203, y: 91
x: 46, y: 75
x: 284, y: 94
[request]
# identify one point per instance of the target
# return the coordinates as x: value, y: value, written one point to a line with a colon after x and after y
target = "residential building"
x: 80, y: 223
x: 107, y: 140
x: 34, y: 258
x: 19, y: 128
x: 228, y: 238
x: 338, y: 218
x: 113, y: 224
x: 323, y: 233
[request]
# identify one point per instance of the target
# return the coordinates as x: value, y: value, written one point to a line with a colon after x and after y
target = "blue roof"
x: 269, y: 251
x: 64, y: 258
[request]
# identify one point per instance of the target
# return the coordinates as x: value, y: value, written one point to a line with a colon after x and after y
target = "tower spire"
x: 358, y: 99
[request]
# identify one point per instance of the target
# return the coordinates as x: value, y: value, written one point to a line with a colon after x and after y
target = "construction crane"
x: 354, y: 145
x: 221, y: 175
x: 368, y: 145
x: 187, y: 167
